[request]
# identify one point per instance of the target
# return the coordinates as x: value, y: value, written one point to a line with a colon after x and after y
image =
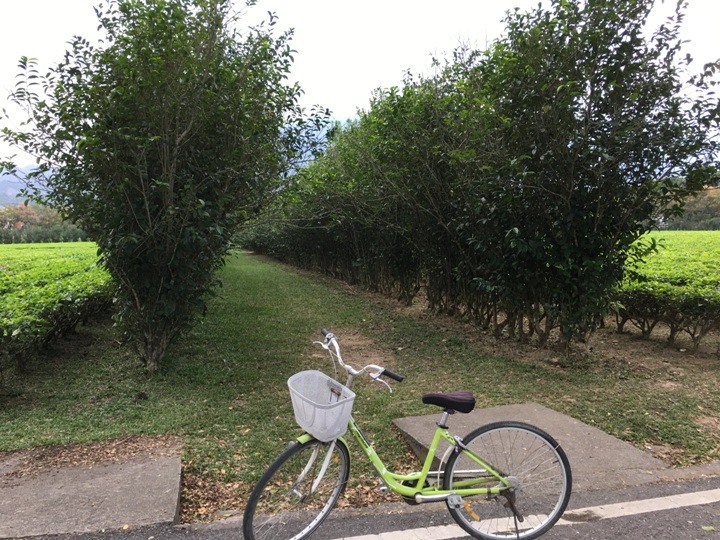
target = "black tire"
x: 281, y: 506
x: 533, y: 460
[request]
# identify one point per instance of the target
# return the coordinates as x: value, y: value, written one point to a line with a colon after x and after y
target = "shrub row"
x: 511, y: 185
x: 45, y: 291
x: 679, y: 287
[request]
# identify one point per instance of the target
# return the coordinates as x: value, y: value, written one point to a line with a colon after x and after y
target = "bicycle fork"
x: 308, y: 467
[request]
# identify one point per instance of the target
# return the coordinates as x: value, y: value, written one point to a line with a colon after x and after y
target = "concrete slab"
x: 597, y: 460
x: 141, y: 491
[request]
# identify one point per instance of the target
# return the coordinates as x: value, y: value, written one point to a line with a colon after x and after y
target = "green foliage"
x: 45, y: 290
x: 702, y: 212
x: 513, y: 184
x: 35, y: 223
x: 678, y: 286
x: 159, y: 143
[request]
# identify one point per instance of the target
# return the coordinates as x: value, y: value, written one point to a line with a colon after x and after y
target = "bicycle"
x: 503, y: 480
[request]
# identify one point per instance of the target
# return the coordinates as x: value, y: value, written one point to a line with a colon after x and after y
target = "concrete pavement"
x: 141, y: 490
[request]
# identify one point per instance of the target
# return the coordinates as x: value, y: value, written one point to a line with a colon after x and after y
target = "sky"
x: 345, y: 49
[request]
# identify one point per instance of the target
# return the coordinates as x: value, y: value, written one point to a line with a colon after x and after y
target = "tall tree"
x: 159, y: 143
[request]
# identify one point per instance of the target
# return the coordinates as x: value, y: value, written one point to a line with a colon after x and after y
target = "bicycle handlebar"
x: 392, y: 375
x: 331, y: 339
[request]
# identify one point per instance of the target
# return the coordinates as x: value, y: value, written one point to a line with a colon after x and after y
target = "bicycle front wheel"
x: 536, y: 468
x: 297, y: 492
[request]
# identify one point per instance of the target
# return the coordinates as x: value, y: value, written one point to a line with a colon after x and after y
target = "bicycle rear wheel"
x: 295, y: 495
x: 535, y: 465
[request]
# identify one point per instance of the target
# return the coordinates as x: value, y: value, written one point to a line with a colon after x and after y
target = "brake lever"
x: 376, y: 377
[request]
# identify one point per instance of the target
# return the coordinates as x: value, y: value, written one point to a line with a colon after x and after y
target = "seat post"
x: 444, y: 418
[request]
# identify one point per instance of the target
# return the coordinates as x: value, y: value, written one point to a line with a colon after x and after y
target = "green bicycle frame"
x: 402, y: 483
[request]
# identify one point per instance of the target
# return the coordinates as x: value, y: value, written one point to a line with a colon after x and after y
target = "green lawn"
x: 223, y: 387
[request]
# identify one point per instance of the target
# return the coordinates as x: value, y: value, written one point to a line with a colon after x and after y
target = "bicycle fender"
x: 306, y: 437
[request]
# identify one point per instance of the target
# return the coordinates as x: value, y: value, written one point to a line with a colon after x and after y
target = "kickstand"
x: 516, y: 515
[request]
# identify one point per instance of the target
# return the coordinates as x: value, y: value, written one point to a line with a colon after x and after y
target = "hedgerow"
x: 679, y: 286
x: 45, y: 291
x: 513, y: 184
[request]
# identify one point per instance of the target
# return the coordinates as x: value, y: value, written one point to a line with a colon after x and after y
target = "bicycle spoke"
x: 297, y: 492
x: 538, y: 475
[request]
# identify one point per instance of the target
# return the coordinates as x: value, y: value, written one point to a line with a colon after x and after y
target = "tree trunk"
x: 154, y: 347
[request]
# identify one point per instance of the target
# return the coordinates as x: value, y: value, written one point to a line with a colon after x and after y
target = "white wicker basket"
x: 322, y: 405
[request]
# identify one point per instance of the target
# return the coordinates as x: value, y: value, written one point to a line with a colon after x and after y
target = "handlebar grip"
x: 394, y: 376
x: 325, y: 332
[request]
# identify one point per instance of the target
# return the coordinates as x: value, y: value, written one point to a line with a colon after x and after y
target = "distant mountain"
x: 10, y: 186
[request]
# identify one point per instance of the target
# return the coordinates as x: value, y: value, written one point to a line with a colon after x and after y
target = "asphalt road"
x: 654, y: 517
